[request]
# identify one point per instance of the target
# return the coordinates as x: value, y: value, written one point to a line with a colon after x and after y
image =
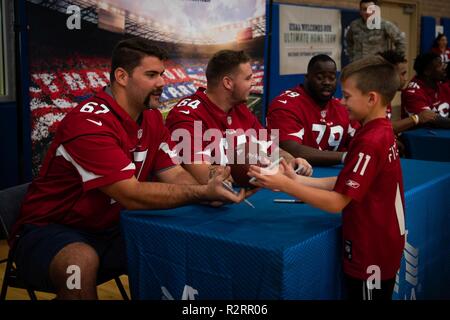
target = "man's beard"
x: 240, y: 99
x: 148, y: 98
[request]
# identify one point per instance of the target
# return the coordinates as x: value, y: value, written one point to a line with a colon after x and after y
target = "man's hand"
x: 217, y: 193
x: 426, y: 116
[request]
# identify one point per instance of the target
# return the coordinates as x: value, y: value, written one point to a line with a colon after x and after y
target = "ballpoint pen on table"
x: 230, y: 188
x: 288, y: 201
x: 291, y: 200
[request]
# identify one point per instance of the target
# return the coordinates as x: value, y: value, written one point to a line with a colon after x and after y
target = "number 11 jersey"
x: 373, y: 223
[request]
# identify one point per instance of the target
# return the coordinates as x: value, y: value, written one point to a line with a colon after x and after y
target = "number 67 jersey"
x: 298, y: 118
x: 96, y: 144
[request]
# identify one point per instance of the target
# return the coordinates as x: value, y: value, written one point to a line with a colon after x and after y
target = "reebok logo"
x: 352, y: 184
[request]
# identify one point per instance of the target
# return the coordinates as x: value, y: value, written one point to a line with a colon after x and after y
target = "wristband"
x: 415, y: 118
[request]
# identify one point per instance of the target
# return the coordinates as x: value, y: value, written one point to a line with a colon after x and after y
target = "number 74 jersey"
x: 298, y: 118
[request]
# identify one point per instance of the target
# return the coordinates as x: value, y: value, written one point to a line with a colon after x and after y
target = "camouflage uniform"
x: 361, y: 41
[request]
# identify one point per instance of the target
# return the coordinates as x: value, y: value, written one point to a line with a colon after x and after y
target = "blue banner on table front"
x: 282, y: 251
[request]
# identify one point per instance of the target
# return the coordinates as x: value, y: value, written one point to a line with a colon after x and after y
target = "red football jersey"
x: 417, y: 96
x: 298, y: 118
x: 373, y: 222
x: 95, y: 145
x: 197, y: 113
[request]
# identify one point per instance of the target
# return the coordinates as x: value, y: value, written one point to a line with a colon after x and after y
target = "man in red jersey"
x: 400, y: 63
x: 369, y: 189
x: 103, y: 153
x: 426, y: 91
x: 221, y: 109
x: 312, y: 123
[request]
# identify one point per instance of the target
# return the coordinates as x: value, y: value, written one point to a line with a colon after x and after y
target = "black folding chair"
x: 10, y: 203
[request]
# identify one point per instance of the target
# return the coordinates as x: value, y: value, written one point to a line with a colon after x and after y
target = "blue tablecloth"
x: 428, y: 144
x: 281, y: 251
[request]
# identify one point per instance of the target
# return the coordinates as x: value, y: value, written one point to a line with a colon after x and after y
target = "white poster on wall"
x: 306, y: 32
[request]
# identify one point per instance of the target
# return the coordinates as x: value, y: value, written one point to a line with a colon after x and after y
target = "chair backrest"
x: 10, y: 203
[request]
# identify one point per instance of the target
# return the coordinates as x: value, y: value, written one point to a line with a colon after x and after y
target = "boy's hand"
x: 273, y: 179
x: 301, y: 165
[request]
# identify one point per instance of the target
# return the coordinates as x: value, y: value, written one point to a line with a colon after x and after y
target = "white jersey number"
x: 336, y: 133
x: 188, y: 102
x: 291, y: 94
x: 443, y: 109
x: 139, y: 160
x: 90, y: 107
x: 364, y: 167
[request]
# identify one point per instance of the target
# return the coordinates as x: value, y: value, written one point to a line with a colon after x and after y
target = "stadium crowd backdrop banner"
x: 69, y: 60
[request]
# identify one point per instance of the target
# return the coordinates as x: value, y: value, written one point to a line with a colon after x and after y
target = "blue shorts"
x: 38, y: 245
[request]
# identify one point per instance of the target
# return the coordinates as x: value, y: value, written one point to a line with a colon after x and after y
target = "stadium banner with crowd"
x: 71, y: 44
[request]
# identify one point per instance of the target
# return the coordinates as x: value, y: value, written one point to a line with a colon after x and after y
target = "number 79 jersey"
x: 298, y: 118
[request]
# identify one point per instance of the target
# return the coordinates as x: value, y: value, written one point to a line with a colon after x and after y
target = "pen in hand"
x: 300, y: 167
x: 230, y: 188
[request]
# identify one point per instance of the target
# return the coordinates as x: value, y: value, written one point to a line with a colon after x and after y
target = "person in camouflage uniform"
x: 362, y: 41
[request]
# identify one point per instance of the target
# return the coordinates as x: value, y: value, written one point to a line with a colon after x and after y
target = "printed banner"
x: 306, y: 32
x: 71, y: 44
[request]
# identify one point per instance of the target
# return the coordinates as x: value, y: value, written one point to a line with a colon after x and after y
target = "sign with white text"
x: 306, y: 32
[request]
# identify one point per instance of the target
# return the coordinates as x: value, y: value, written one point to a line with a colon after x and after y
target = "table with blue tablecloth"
x: 281, y: 251
x: 427, y: 144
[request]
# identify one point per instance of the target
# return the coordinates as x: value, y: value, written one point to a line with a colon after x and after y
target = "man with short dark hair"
x: 104, y: 152
x: 425, y: 116
x: 312, y: 123
x: 426, y: 91
x: 362, y: 41
x: 221, y: 106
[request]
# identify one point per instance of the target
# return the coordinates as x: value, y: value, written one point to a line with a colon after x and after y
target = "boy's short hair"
x: 127, y: 54
x: 223, y: 63
x: 373, y: 73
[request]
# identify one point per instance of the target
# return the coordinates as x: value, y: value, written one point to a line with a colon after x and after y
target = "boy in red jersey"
x: 369, y: 189
x: 103, y: 154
